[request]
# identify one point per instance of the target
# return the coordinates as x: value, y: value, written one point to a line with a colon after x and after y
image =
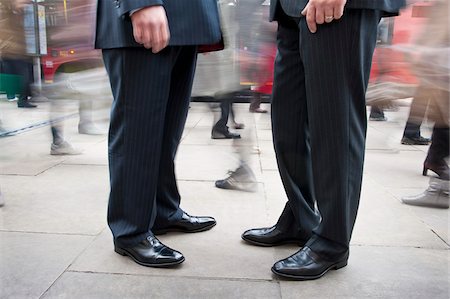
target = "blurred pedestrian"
x: 220, y: 129
x: 151, y: 69
x: 319, y: 126
x: 83, y: 79
x: 14, y: 59
x: 419, y: 104
x: 432, y: 66
x: 217, y: 74
x: 384, y: 39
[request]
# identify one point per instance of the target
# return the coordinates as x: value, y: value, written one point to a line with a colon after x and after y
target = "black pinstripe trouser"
x: 319, y: 123
x: 151, y: 101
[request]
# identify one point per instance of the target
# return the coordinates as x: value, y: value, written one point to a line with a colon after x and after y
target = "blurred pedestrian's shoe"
x: 377, y: 114
x: 418, y: 140
x: 436, y: 196
x: 12, y: 98
x: 238, y: 126
x: 258, y: 110
x: 151, y: 253
x: 187, y: 224
x: 64, y: 148
x: 223, y: 133
x: 89, y: 128
x: 307, y: 265
x: 441, y: 169
x: 377, y: 117
x: 25, y: 104
x: 272, y: 236
x: 241, y: 179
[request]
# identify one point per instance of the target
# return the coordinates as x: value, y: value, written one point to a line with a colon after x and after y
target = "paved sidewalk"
x: 54, y: 241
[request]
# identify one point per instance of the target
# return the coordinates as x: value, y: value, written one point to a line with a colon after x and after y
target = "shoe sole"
x: 414, y: 143
x: 123, y: 252
x: 180, y: 230
x: 294, y: 242
x: 224, y: 137
x: 251, y: 187
x: 336, y: 266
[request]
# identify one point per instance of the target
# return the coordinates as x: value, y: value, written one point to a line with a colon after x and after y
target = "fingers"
x: 165, y: 34
x: 147, y: 38
x: 137, y: 32
x: 329, y: 15
x: 150, y: 28
x: 157, y: 44
x: 320, y: 12
x: 320, y: 17
x: 338, y: 12
x: 310, y: 13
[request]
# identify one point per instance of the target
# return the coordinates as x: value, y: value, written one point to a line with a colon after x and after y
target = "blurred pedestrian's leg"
x: 437, y: 153
x: 411, y: 134
x: 256, y: 103
x: 377, y: 113
x: 220, y: 129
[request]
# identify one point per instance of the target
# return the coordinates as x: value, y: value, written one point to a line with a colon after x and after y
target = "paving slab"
x: 219, y: 252
x: 30, y: 263
x: 267, y: 155
x: 211, y: 162
x: 65, y: 199
x: 96, y: 154
x: 393, y: 170
x: 383, y: 220
x: 212, y: 254
x: 27, y: 153
x: 438, y: 220
x: 388, y: 140
x: 94, y: 285
x: 379, y: 272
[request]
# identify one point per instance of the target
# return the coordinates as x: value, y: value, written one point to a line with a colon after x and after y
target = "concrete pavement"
x: 54, y: 241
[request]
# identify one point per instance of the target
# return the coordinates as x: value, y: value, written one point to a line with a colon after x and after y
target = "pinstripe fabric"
x: 319, y: 122
x: 151, y: 100
x: 293, y: 8
x: 191, y: 22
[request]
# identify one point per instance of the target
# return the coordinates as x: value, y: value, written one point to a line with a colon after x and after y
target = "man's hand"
x: 322, y: 11
x: 150, y: 28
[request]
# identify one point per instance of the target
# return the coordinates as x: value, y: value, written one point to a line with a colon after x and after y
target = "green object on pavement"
x: 10, y: 84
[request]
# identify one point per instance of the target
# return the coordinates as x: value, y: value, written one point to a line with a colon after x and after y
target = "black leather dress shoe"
x: 271, y: 236
x: 187, y: 224
x: 307, y: 265
x: 151, y: 253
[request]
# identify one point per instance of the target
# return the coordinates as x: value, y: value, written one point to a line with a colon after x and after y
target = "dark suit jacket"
x: 293, y: 8
x: 191, y: 22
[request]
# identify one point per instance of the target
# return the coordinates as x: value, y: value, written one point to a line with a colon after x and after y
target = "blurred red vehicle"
x: 70, y: 33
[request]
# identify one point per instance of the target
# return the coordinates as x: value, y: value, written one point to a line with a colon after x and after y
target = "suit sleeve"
x: 126, y: 6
